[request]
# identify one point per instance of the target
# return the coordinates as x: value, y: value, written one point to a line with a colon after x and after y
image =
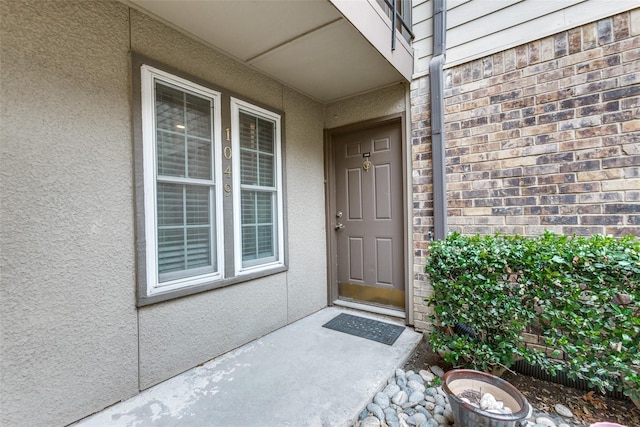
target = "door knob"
x: 339, y: 226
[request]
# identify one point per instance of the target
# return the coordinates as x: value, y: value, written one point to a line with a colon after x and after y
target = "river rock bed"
x: 417, y: 399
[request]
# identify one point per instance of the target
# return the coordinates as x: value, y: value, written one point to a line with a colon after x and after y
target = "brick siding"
x: 544, y: 136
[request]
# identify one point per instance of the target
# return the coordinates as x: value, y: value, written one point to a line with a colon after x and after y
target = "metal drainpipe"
x: 437, y: 119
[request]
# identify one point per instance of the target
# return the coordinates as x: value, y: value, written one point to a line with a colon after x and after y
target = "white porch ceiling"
x: 305, y: 44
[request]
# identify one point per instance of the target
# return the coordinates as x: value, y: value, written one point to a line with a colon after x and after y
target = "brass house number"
x: 227, y: 153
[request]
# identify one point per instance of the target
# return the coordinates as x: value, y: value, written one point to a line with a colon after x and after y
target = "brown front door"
x: 369, y: 216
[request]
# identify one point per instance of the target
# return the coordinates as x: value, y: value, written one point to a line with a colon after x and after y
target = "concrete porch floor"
x: 300, y: 375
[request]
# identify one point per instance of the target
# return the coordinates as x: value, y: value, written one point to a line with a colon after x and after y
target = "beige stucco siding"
x: 372, y: 105
x: 305, y: 189
x: 227, y: 318
x: 67, y: 300
x: 73, y: 341
x: 178, y: 335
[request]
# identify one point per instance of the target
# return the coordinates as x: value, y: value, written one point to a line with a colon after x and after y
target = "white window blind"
x: 180, y: 186
x: 260, y: 199
x: 184, y: 140
x: 258, y: 188
x: 200, y: 181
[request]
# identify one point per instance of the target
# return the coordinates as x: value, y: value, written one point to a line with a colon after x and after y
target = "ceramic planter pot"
x: 459, y: 381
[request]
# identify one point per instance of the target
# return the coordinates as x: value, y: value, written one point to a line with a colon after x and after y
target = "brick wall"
x: 422, y: 181
x: 547, y: 135
x: 544, y: 136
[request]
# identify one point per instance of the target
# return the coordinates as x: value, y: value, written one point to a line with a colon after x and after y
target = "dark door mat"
x: 385, y: 333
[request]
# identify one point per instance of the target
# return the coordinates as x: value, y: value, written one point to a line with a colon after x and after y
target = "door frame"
x: 330, y: 209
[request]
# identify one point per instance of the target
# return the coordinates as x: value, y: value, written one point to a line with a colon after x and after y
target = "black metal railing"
x: 399, y: 11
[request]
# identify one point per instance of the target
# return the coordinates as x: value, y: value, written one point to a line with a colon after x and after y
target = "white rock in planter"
x: 488, y: 402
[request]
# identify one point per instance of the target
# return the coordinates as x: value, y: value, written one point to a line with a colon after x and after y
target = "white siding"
x: 422, y: 13
x: 477, y: 28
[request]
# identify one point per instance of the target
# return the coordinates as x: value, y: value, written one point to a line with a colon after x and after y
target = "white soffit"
x: 330, y: 63
x: 305, y: 44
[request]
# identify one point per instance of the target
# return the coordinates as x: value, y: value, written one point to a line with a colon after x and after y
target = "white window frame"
x: 238, y: 106
x: 149, y: 75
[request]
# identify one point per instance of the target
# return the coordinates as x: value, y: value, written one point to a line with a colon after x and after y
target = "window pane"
x: 170, y: 205
x: 257, y: 142
x: 266, y: 178
x: 264, y: 208
x: 183, y: 118
x: 170, y: 154
x: 198, y: 116
x: 265, y: 241
x: 198, y: 247
x: 249, y: 243
x: 184, y: 241
x: 266, y: 131
x: 249, y: 166
x: 199, y: 158
x: 258, y: 165
x: 170, y: 250
x: 248, y: 131
x: 169, y: 108
x: 248, y: 207
x: 198, y: 198
x: 257, y: 225
x: 248, y: 147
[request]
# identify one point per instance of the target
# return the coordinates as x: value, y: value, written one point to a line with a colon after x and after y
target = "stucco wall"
x: 178, y: 335
x: 67, y: 295
x: 371, y: 105
x: 229, y: 317
x: 73, y: 341
x: 305, y: 190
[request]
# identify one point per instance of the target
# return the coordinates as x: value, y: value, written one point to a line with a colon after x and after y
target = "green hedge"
x: 582, y: 293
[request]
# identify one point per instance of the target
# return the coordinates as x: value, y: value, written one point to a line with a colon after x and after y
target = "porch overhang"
x: 326, y: 49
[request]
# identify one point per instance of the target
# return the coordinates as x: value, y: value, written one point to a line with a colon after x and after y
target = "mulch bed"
x: 587, y: 407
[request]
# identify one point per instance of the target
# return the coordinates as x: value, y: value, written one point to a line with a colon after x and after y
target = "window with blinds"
x: 199, y: 183
x: 185, y: 186
x: 182, y: 205
x: 258, y: 190
x: 260, y: 198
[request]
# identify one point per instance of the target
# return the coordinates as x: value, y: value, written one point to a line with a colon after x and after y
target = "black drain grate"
x: 385, y: 333
x: 525, y: 368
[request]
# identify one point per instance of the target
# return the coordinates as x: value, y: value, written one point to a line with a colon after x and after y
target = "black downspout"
x: 394, y: 18
x: 437, y: 120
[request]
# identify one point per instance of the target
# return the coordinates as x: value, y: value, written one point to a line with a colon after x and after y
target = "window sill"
x: 145, y: 300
